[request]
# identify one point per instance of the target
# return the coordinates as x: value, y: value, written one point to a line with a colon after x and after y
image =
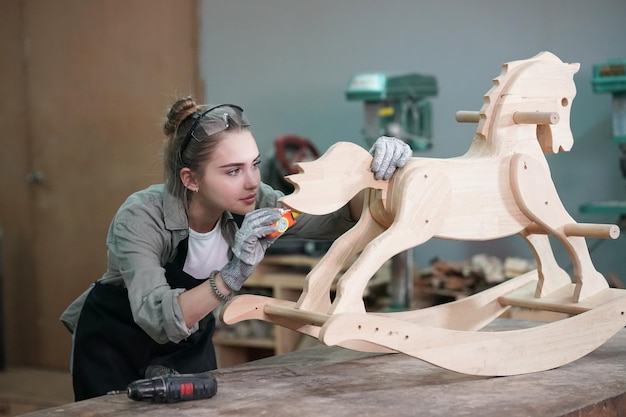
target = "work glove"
x: 250, y: 246
x: 389, y: 154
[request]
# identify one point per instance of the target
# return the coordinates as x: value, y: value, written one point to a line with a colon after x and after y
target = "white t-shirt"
x: 206, y: 252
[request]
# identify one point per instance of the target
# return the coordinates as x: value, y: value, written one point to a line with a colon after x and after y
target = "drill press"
x: 396, y: 105
x: 610, y: 77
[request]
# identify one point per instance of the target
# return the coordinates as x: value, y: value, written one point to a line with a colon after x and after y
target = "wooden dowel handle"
x: 535, y: 229
x: 598, y: 231
x: 308, y: 317
x: 536, y: 117
x: 467, y: 116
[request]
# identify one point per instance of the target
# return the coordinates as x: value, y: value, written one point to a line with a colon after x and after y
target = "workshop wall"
x: 288, y: 64
x: 85, y: 86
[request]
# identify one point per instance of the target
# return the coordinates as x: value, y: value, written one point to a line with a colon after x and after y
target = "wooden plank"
x: 334, y: 381
x: 24, y: 390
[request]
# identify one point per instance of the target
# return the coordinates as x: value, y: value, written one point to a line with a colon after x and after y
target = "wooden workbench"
x: 331, y: 381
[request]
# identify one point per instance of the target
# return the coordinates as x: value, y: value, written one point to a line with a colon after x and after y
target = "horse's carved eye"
x: 564, y: 102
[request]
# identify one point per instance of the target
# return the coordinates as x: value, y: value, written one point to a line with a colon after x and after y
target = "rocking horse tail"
x: 328, y: 183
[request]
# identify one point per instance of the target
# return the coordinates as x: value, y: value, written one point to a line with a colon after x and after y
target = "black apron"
x: 111, y: 350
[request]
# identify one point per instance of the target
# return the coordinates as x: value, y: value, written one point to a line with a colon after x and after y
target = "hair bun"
x: 180, y: 110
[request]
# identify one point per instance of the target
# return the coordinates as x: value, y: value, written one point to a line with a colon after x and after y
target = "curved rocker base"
x: 485, y: 353
x: 447, y: 335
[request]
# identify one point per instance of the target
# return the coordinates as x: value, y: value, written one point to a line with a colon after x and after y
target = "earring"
x: 197, y: 189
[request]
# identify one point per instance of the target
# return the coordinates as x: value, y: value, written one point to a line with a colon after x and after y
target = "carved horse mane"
x: 501, y: 186
x: 539, y: 84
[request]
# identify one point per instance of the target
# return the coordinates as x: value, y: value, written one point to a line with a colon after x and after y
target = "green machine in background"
x: 610, y: 77
x: 395, y: 105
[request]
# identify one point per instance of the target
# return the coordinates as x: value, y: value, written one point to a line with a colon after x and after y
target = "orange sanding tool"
x: 287, y: 219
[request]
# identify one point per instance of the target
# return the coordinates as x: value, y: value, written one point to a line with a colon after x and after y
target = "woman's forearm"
x: 197, y: 302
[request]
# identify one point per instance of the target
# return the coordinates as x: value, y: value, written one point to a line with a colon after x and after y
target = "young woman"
x: 176, y: 251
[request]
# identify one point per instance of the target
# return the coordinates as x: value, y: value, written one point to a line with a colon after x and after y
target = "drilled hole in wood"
x: 376, y: 329
x: 359, y: 327
x: 406, y: 337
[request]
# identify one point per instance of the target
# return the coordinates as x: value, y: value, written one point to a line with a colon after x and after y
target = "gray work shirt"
x: 143, y: 238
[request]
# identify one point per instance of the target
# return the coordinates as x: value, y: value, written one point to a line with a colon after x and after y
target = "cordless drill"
x: 173, y: 388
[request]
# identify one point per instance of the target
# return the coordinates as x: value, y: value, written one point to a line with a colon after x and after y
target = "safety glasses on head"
x: 220, y: 121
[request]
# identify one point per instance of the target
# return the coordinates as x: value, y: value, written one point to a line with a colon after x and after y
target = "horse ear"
x: 575, y: 67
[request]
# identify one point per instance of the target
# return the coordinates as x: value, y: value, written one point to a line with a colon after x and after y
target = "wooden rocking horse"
x: 500, y: 187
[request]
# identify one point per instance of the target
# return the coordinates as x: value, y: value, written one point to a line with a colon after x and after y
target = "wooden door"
x: 91, y: 81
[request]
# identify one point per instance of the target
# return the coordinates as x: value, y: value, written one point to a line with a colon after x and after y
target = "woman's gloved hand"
x: 389, y: 154
x: 250, y: 246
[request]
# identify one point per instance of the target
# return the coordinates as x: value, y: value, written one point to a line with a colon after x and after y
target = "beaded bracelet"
x: 216, y: 291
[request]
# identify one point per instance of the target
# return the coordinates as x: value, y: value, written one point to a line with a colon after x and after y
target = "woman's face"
x: 231, y: 177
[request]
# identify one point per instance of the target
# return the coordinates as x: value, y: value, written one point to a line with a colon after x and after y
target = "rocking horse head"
x: 530, y: 99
